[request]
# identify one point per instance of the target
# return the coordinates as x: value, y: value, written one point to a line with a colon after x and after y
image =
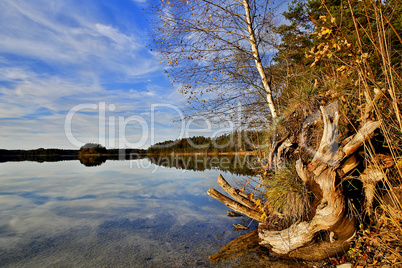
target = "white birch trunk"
x: 257, y: 60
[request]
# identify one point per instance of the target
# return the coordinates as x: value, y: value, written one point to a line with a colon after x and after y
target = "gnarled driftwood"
x: 327, y: 229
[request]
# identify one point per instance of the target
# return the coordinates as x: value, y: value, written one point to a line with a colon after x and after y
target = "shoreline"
x: 203, y: 154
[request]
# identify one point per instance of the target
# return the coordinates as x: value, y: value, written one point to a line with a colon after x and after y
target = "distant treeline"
x: 53, y: 155
x: 239, y: 141
x: 95, y: 148
x: 36, y: 152
x: 38, y: 155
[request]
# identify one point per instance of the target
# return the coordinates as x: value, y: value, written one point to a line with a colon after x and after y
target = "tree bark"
x: 236, y: 194
x: 258, y: 63
x: 327, y: 229
x: 236, y: 206
x: 330, y: 214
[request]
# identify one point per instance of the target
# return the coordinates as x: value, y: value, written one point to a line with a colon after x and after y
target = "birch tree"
x: 218, y: 50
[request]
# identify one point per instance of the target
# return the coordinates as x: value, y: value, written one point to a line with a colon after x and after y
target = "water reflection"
x: 92, y: 160
x: 236, y: 164
x: 64, y: 214
x: 119, y: 214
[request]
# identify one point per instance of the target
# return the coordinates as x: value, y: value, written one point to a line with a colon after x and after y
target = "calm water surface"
x: 122, y: 213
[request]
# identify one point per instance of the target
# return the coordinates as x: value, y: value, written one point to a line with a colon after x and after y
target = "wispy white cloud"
x: 139, y: 1
x: 59, y: 54
x: 61, y: 34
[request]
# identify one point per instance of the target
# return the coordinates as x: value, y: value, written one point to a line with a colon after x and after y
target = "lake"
x: 130, y: 213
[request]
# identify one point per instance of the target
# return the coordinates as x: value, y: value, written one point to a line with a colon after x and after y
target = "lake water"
x: 119, y: 214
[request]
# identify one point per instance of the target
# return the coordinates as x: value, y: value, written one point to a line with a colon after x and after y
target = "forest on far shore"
x: 54, y: 154
x: 235, y: 142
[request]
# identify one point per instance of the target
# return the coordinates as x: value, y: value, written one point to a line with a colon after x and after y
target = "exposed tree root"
x: 327, y: 229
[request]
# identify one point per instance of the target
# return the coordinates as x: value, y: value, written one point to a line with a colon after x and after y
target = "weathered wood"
x: 327, y: 153
x: 329, y: 214
x: 238, y: 247
x: 370, y: 177
x: 348, y: 166
x: 365, y: 133
x: 279, y: 159
x: 301, y: 171
x: 315, y: 119
x: 327, y: 218
x: 335, y: 242
x: 236, y: 206
x: 236, y: 194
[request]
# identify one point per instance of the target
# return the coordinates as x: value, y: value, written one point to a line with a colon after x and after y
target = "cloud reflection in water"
x: 64, y: 213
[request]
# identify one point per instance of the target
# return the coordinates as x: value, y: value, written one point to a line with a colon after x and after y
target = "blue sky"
x: 79, y: 71
x: 57, y: 54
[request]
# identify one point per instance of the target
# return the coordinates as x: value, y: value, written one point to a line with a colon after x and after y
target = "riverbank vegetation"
x: 325, y: 88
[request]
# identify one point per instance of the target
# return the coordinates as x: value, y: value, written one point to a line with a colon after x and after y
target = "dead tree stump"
x: 328, y: 218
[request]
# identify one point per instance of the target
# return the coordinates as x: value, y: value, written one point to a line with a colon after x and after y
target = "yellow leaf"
x: 327, y: 31
x: 341, y: 69
x: 364, y: 55
x: 399, y: 163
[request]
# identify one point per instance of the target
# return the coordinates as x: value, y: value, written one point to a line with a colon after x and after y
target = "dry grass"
x: 286, y: 194
x: 366, y: 79
x: 378, y: 81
